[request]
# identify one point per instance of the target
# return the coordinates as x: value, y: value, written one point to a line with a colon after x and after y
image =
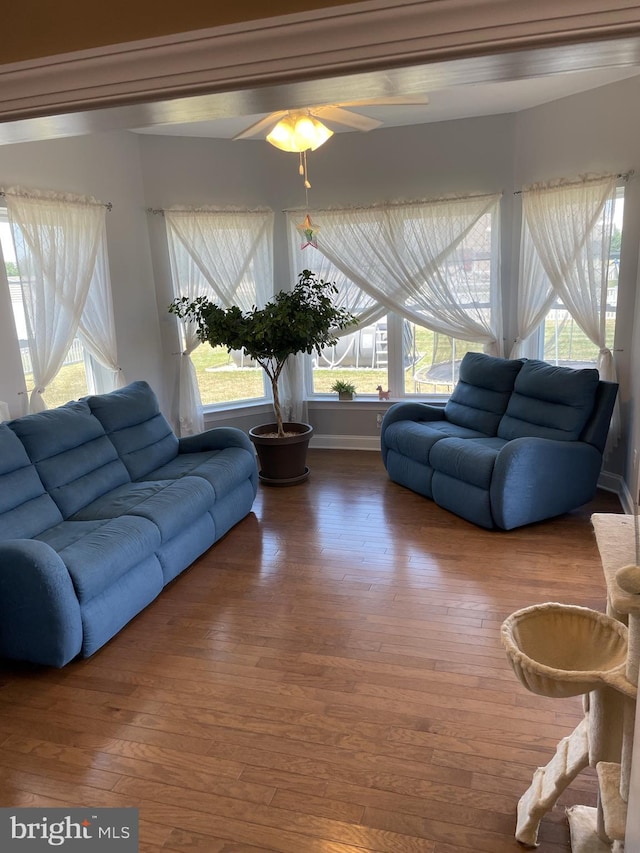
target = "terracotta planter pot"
x: 282, y: 461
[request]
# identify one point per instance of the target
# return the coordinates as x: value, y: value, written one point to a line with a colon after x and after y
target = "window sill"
x: 321, y: 401
x: 318, y: 401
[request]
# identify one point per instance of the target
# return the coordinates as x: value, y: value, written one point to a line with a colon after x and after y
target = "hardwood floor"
x: 327, y: 679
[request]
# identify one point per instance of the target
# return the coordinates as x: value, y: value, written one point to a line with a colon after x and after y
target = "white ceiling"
x: 445, y: 104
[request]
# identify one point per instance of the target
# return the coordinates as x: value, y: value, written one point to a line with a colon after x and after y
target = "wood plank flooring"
x: 327, y: 679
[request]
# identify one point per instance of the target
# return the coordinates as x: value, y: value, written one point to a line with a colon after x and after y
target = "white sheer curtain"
x: 56, y: 237
x: 570, y: 225
x: 226, y: 255
x: 294, y: 390
x: 535, y: 296
x: 97, y: 329
x: 350, y: 296
x: 408, y: 258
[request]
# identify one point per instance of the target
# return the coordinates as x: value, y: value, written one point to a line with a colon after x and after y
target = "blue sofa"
x: 518, y: 441
x: 101, y: 506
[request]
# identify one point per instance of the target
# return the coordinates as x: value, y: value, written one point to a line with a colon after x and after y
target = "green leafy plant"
x: 342, y: 387
x: 303, y: 319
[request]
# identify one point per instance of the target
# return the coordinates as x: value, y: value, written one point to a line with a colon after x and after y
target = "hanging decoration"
x: 309, y: 233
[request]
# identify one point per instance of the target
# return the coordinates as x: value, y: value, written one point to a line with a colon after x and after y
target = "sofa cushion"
x: 140, y: 433
x: 223, y: 469
x: 415, y: 439
x: 25, y: 508
x: 482, y: 393
x: 550, y: 402
x: 98, y: 553
x: 105, y: 614
x: 171, y: 506
x: 74, y: 458
x: 469, y: 460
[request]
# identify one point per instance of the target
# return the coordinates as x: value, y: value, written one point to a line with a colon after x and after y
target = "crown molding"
x: 339, y: 40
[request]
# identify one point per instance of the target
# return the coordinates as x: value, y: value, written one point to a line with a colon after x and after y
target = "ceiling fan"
x: 301, y: 130
x: 316, y: 115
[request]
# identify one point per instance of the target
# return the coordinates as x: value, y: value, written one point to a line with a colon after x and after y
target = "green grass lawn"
x: 69, y: 384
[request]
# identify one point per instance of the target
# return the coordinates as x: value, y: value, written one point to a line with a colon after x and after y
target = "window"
x: 225, y: 377
x: 396, y: 350
x: 561, y: 340
x: 76, y: 376
x: 226, y: 256
x: 430, y: 361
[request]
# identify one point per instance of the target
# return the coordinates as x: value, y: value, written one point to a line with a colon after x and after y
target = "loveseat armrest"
x: 407, y: 411
x: 39, y: 612
x: 536, y: 478
x: 410, y: 411
x: 216, y: 438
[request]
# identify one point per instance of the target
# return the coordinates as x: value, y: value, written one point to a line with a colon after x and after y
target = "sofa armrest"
x: 215, y: 439
x: 536, y: 478
x: 39, y: 611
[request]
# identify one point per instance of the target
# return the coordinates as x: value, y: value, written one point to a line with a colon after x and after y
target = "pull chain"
x: 303, y: 169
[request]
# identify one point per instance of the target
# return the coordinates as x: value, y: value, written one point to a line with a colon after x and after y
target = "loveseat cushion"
x: 469, y: 460
x: 99, y: 553
x: 415, y: 439
x: 140, y: 433
x: 73, y: 457
x: 482, y: 393
x: 25, y: 507
x: 550, y: 402
x: 171, y: 506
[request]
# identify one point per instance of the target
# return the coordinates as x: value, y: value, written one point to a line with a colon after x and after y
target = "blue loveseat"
x: 518, y: 441
x: 101, y: 506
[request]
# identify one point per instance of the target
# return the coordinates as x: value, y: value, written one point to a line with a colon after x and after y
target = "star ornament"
x: 308, y: 232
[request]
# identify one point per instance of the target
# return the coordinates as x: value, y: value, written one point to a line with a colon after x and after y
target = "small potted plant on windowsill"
x: 344, y: 390
x: 303, y: 319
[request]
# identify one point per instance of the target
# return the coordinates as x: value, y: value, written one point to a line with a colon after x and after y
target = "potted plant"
x: 303, y: 319
x: 345, y: 390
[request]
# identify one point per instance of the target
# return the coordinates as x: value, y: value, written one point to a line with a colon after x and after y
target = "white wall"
x: 106, y: 166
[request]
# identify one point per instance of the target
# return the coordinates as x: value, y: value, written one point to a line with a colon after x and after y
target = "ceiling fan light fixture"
x: 299, y: 133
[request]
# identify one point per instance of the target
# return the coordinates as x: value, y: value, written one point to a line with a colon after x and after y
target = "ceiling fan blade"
x: 260, y: 126
x: 391, y: 100
x: 340, y: 116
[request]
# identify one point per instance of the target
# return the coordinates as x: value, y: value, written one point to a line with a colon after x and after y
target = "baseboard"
x: 616, y: 484
x: 345, y: 442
